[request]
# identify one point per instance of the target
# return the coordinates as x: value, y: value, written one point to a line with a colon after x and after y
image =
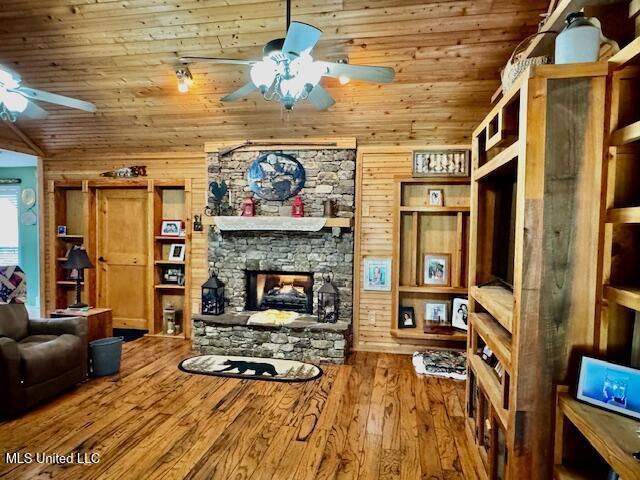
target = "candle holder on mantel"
x: 297, y: 207
x: 248, y: 207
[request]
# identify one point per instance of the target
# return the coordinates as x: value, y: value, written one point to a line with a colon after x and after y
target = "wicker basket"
x: 516, y: 65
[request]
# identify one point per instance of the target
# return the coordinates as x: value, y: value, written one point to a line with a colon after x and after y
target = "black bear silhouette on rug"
x: 242, y: 366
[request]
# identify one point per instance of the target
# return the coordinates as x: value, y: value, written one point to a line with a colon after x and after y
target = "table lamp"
x: 78, y: 260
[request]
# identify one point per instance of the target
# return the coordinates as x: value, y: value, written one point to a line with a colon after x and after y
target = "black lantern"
x: 327, y: 301
x: 213, y: 296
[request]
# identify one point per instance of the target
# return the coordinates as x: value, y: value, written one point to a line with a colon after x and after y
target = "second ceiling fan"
x: 288, y: 73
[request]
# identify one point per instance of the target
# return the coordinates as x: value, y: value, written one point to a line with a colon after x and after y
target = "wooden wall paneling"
x: 188, y: 164
x: 376, y: 170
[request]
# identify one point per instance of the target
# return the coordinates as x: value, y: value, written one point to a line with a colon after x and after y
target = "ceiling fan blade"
x: 239, y: 93
x: 300, y: 37
x: 228, y: 61
x: 35, y: 111
x: 365, y: 73
x: 48, y: 97
x: 320, y: 98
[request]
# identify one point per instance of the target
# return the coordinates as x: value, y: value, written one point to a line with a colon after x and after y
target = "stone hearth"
x: 304, y: 339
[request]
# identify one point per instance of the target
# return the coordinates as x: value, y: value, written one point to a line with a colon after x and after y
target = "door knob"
x: 102, y: 259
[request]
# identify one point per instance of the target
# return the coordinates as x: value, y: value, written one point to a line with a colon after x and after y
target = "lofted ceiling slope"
x: 121, y: 55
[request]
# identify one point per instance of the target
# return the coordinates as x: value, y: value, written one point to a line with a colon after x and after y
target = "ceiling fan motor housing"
x: 273, y: 46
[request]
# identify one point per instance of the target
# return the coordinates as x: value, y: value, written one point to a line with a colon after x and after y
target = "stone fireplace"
x: 282, y: 269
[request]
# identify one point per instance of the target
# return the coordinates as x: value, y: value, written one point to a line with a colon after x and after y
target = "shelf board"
x: 490, y: 383
x: 415, y: 334
x: 626, y: 135
x: 71, y: 238
x: 163, y: 238
x: 498, y: 301
x: 613, y: 436
x: 434, y: 180
x: 497, y: 162
x: 626, y: 296
x: 494, y: 335
x: 623, y: 215
x: 435, y: 209
x: 168, y: 286
x: 433, y: 289
x: 61, y: 259
x: 68, y: 283
x: 168, y: 262
x: 629, y: 55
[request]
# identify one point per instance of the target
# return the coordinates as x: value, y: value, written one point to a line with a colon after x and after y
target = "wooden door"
x: 122, y: 252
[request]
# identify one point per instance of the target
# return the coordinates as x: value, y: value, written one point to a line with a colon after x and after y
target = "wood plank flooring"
x: 371, y: 419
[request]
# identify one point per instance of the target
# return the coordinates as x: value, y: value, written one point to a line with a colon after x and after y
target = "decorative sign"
x: 10, y: 181
x: 127, y: 172
x: 276, y: 176
x: 443, y: 163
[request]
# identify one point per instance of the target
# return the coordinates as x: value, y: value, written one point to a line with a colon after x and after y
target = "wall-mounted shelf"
x: 454, y: 336
x: 498, y: 301
x: 166, y: 238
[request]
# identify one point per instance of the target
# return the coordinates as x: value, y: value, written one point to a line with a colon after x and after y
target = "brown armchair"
x: 38, y: 358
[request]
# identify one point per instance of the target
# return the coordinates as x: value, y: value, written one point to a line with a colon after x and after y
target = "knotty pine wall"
x: 376, y: 167
x: 161, y: 165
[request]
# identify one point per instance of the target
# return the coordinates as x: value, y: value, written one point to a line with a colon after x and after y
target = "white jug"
x: 580, y: 40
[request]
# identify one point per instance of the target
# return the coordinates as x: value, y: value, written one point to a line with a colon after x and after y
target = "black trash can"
x: 105, y: 356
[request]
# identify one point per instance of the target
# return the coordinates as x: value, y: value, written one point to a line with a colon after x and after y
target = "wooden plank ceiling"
x: 121, y: 55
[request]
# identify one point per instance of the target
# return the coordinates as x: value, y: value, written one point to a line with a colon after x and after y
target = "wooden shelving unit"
x: 70, y: 202
x: 74, y: 204
x: 420, y: 229
x: 169, y: 201
x: 609, y: 439
x: 528, y: 299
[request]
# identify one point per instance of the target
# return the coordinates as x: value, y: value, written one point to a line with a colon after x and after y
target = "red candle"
x: 297, y: 207
x: 248, y: 207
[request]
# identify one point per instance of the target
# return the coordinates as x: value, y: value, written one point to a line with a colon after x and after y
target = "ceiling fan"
x: 16, y: 99
x: 288, y: 73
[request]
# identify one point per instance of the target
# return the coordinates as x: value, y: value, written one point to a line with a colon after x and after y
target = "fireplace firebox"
x: 280, y: 291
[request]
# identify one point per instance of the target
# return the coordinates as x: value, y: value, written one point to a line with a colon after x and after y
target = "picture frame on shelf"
x: 435, y: 197
x: 61, y: 230
x: 488, y: 356
x: 460, y: 313
x: 174, y: 276
x: 176, y: 252
x: 436, y: 269
x: 436, y: 316
x: 441, y: 163
x: 406, y: 318
x: 609, y: 386
x: 171, y: 228
x: 377, y: 274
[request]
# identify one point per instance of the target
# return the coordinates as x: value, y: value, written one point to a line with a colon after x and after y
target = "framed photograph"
x: 176, y: 252
x: 406, y: 318
x: 171, y: 228
x: 488, y: 356
x: 436, y: 269
x: 441, y: 163
x: 436, y: 197
x: 377, y: 274
x: 62, y: 230
x: 609, y: 386
x: 499, y: 369
x: 459, y: 313
x: 436, y: 316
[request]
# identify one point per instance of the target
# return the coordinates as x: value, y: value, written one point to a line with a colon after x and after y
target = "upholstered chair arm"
x: 12, y: 392
x: 59, y: 326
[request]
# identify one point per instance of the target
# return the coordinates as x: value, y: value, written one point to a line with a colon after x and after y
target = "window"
x: 9, y: 226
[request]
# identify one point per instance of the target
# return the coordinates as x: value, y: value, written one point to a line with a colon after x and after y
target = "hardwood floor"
x: 371, y: 419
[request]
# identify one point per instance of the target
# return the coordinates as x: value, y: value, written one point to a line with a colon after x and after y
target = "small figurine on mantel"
x: 297, y: 207
x: 248, y: 207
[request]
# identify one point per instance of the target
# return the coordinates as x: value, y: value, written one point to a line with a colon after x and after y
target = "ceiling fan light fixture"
x: 343, y: 79
x: 185, y: 79
x: 14, y: 101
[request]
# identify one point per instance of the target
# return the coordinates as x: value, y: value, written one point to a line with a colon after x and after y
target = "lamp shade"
x: 77, y: 260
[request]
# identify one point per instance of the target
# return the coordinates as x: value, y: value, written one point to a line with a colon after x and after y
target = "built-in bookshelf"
x: 421, y: 229
x: 531, y: 291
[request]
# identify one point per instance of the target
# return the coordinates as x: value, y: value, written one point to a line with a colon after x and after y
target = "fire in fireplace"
x: 281, y: 291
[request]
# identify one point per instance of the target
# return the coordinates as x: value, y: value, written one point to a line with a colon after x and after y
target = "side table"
x: 99, y: 320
